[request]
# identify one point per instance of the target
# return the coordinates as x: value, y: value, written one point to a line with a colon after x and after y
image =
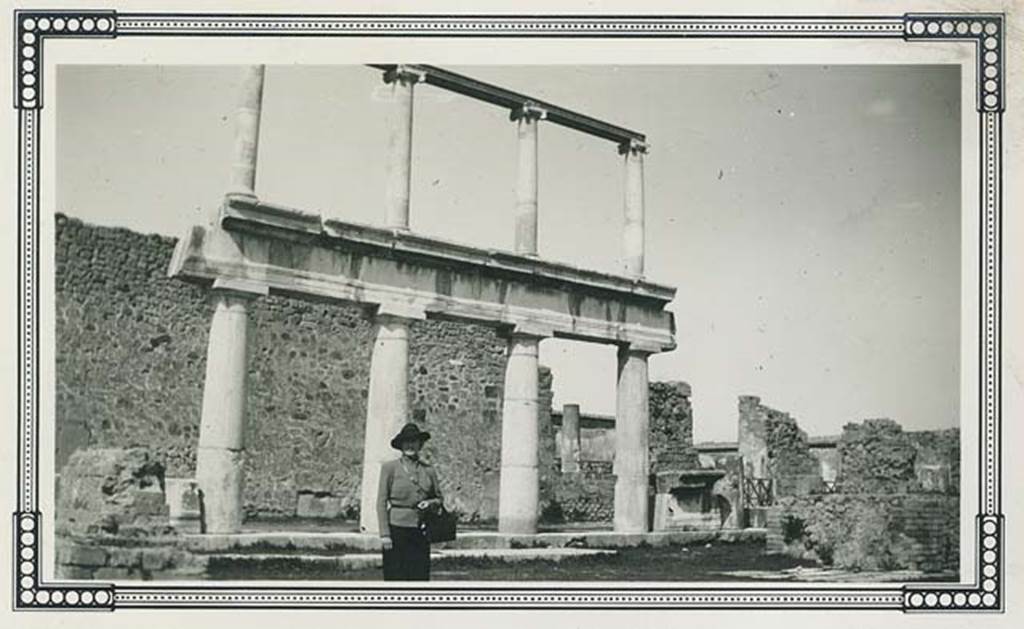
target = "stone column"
x: 631, y: 464
x: 387, y: 406
x: 570, y: 441
x: 399, y: 146
x: 633, y: 229
x: 247, y: 133
x: 526, y: 179
x: 221, y: 453
x: 518, y: 491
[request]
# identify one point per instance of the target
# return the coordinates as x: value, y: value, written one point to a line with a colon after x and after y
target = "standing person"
x: 408, y: 488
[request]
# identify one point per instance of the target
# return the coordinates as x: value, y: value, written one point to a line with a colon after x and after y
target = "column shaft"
x: 399, y: 149
x: 221, y: 452
x: 247, y: 133
x: 518, y: 494
x: 387, y: 409
x: 633, y: 229
x: 631, y: 465
x: 526, y: 186
x: 570, y: 441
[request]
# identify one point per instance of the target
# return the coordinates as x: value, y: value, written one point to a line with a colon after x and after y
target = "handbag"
x: 439, y: 525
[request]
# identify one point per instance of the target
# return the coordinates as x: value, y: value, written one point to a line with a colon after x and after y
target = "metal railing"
x: 758, y: 492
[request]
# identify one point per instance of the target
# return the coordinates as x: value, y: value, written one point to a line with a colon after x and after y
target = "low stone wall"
x: 869, y: 531
x: 584, y: 496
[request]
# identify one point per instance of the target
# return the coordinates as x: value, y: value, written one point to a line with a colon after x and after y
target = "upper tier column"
x: 399, y: 145
x: 526, y: 178
x: 247, y: 133
x: 633, y: 228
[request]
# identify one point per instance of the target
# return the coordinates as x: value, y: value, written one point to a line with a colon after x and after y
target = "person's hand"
x: 423, y: 504
x: 385, y: 542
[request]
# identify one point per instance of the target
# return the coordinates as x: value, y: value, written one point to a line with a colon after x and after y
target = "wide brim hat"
x: 409, y: 432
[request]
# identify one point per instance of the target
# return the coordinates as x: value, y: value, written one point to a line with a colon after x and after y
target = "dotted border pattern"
x: 991, y: 289
x: 987, y: 592
x: 33, y: 28
x: 985, y: 30
x: 503, y: 26
x: 31, y: 593
x: 28, y: 310
x: 505, y: 598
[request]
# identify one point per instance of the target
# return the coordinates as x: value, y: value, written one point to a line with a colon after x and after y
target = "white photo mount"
x: 987, y: 591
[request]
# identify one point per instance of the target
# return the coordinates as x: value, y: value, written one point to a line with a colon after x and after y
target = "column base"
x: 518, y: 500
x: 632, y: 505
x: 219, y: 476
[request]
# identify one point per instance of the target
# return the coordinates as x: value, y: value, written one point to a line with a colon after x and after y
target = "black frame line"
x: 986, y: 30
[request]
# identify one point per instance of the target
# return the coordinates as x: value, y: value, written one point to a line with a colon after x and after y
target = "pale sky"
x: 809, y: 216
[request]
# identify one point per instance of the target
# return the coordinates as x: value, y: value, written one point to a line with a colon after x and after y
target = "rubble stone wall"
x: 878, y: 456
x: 869, y: 531
x: 131, y: 358
x: 589, y: 495
x: 774, y: 446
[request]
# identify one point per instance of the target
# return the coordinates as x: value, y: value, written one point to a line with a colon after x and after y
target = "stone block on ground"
x: 105, y: 489
x: 310, y: 505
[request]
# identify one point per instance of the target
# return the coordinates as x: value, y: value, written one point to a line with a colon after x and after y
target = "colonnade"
x: 221, y: 443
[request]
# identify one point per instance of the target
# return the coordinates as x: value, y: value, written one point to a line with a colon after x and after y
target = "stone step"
x: 332, y: 544
x: 367, y: 561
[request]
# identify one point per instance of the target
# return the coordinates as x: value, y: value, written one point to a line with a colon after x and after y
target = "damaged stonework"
x: 113, y: 521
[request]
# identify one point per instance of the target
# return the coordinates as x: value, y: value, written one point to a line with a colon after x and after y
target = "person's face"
x: 411, y: 448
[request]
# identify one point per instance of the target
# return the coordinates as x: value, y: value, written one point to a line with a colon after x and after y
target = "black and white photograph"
x: 419, y: 322
x: 729, y: 357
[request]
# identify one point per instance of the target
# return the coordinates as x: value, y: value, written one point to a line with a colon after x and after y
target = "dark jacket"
x: 403, y: 484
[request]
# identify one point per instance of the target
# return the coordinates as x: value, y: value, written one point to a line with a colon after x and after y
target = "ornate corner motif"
x: 985, y: 30
x: 987, y: 593
x: 29, y: 590
x: 32, y: 28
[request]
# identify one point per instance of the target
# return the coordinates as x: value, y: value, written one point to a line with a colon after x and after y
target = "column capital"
x: 528, y: 111
x: 245, y: 289
x: 400, y: 311
x: 407, y: 75
x: 634, y: 147
x: 530, y: 330
x: 640, y: 350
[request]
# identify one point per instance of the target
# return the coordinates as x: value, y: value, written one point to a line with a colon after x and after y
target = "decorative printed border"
x: 32, y: 28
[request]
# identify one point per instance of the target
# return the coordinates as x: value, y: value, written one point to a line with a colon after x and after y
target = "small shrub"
x: 552, y: 512
x: 792, y: 529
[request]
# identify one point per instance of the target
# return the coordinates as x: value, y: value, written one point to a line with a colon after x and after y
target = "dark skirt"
x: 409, y: 557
